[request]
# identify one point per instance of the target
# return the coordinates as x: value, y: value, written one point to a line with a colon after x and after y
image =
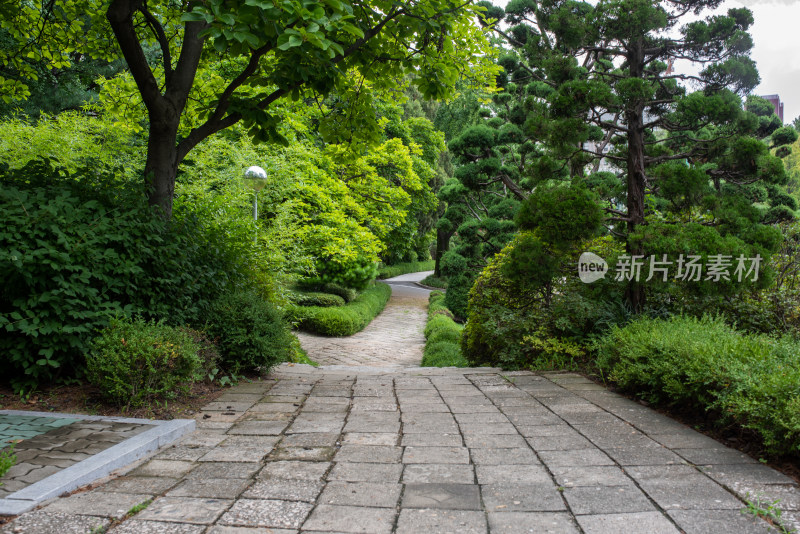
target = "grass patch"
x: 342, y: 320
x: 138, y: 507
x: 7, y: 460
x: 745, y: 380
x: 391, y: 271
x: 435, y: 281
x: 767, y: 509
x: 442, y: 336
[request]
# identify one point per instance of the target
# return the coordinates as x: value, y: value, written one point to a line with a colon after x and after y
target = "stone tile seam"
x: 635, y: 483
x: 697, y: 467
x: 568, y: 508
x: 616, y: 463
x: 469, y: 455
x: 324, y: 478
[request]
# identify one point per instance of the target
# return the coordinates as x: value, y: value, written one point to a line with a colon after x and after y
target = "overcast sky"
x: 777, y: 49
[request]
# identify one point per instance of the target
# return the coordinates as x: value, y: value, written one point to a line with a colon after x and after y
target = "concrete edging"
x: 98, y: 465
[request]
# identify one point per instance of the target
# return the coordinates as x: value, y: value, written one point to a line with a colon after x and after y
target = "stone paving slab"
x: 45, y: 445
x: 609, y: 476
x: 70, y: 451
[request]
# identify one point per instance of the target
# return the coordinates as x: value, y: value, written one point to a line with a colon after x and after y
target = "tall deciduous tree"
x: 270, y: 49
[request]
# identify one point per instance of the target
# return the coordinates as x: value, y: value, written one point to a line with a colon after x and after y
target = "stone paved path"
x: 393, y: 339
x: 412, y: 451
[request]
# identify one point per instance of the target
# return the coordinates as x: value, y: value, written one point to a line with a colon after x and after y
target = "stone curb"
x: 98, y: 465
x: 415, y: 285
x: 412, y: 283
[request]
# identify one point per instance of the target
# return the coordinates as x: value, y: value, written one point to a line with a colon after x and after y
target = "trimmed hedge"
x: 346, y: 293
x: 316, y: 298
x: 703, y: 364
x: 390, y: 271
x: 435, y: 281
x: 342, y: 320
x: 442, y: 336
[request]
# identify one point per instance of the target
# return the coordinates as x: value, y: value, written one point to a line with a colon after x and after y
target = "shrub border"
x: 446, y: 324
x: 344, y: 320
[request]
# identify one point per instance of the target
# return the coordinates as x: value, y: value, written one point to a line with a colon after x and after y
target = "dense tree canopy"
x: 199, y: 68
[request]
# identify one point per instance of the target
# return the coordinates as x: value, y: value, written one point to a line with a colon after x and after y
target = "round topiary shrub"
x: 135, y: 361
x: 250, y: 332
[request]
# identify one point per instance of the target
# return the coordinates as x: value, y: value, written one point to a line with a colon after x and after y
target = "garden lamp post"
x: 256, y: 178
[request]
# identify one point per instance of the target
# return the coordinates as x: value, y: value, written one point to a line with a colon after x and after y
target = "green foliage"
x: 346, y: 293
x: 707, y: 180
x: 251, y: 333
x: 434, y: 281
x: 750, y: 380
x: 442, y: 336
x: 75, y: 140
x: 356, y: 274
x: 390, y: 271
x: 758, y: 506
x: 515, y: 324
x: 71, y: 256
x: 7, y: 459
x: 135, y: 361
x: 316, y: 298
x: 343, y: 320
x: 326, y: 214
x: 240, y: 63
x: 560, y: 215
x: 457, y: 295
x: 136, y: 508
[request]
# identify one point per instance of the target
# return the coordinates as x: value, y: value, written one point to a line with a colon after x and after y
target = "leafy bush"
x: 316, y: 298
x: 343, y: 320
x: 750, y: 380
x: 251, y: 333
x: 390, y: 271
x: 136, y: 361
x: 442, y: 336
x: 356, y: 274
x: 76, y: 249
x: 517, y: 324
x: 76, y: 140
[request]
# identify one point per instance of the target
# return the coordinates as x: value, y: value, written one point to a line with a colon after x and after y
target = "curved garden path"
x: 393, y: 339
x: 383, y: 447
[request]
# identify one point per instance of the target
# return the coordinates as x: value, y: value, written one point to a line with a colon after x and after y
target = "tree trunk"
x: 161, y: 166
x: 163, y: 109
x: 442, y: 246
x: 634, y: 111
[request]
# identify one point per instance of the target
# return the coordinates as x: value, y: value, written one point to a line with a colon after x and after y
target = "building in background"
x: 775, y: 100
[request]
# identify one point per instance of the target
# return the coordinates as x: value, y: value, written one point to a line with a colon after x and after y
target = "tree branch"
x: 161, y: 37
x: 120, y: 17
